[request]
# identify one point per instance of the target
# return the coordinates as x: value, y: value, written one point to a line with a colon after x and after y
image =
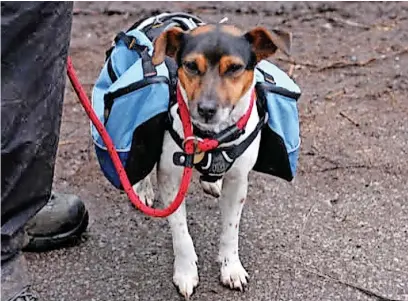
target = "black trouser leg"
x: 34, y: 44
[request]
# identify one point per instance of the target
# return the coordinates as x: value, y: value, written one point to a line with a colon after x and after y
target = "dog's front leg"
x: 233, y: 198
x: 144, y: 190
x: 185, y: 275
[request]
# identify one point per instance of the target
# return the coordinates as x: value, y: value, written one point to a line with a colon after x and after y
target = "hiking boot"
x: 15, y: 280
x: 59, y: 224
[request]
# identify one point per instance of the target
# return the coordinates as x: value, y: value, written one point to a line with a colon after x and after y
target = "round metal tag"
x: 198, y: 157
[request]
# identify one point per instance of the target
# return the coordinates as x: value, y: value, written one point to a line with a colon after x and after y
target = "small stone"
x: 327, y: 26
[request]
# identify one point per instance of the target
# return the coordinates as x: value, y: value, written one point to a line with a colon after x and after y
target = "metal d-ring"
x: 198, y: 156
x: 195, y: 139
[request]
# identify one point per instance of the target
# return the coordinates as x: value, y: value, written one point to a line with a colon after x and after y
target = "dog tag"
x: 198, y: 157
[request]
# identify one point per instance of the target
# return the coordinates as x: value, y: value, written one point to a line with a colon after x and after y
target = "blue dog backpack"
x: 131, y: 97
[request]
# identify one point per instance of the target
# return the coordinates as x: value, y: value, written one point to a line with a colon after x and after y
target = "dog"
x: 216, y: 64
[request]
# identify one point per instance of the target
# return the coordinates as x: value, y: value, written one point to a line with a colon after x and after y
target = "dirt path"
x: 339, y: 232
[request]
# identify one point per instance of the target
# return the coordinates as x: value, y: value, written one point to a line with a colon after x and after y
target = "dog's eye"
x: 191, y: 67
x: 233, y: 69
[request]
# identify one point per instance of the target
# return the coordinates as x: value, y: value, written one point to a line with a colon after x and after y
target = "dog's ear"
x: 265, y: 43
x: 167, y: 43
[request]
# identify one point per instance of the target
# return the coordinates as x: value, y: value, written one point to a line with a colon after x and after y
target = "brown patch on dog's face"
x: 231, y: 89
x: 216, y: 65
x: 230, y: 81
x: 227, y: 82
x: 230, y: 61
x: 189, y: 75
x: 235, y: 79
x: 191, y: 84
x: 199, y: 60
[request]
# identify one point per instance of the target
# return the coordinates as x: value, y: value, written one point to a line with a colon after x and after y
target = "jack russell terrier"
x: 216, y: 80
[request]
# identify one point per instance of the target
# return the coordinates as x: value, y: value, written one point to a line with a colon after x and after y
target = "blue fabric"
x: 108, y: 168
x: 282, y: 110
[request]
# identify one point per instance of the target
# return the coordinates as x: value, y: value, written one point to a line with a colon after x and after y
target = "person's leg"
x: 34, y: 45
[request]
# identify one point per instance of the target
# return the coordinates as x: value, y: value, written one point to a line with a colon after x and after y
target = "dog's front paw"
x: 185, y: 277
x: 144, y: 191
x: 213, y: 189
x: 233, y: 275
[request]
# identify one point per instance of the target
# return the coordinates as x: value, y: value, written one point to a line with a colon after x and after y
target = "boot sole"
x: 63, y: 240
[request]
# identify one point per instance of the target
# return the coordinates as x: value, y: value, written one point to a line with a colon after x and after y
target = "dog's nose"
x: 207, y: 109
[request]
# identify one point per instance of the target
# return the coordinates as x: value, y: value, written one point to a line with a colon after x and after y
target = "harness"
x: 209, y: 159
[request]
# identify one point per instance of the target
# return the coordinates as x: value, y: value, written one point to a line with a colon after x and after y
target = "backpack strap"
x: 268, y: 78
x: 110, y: 97
x: 143, y: 51
x: 112, y: 75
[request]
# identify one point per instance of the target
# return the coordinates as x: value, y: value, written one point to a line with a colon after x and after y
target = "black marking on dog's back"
x: 215, y: 44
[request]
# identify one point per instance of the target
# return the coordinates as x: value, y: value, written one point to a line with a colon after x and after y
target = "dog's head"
x: 216, y: 64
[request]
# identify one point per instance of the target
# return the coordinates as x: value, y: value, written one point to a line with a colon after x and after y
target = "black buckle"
x: 183, y: 159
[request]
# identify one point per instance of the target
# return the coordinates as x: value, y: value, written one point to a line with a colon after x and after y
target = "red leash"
x: 189, y: 146
x: 189, y: 149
